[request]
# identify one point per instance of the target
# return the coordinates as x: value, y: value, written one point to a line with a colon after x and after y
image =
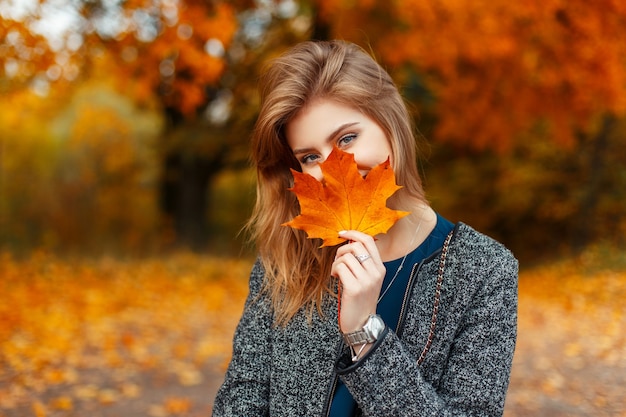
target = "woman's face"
x: 323, y: 124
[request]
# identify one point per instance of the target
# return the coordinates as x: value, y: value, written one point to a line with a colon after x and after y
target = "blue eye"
x: 310, y: 158
x: 346, y: 140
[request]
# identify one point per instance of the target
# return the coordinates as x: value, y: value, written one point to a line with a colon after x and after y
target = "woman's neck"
x: 408, y: 233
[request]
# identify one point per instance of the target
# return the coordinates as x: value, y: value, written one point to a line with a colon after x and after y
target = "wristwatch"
x: 370, y: 332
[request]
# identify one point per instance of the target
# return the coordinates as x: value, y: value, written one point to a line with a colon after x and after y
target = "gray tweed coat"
x: 292, y: 371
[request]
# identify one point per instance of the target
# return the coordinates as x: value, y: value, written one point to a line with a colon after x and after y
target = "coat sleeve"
x: 475, y: 376
x: 245, y: 391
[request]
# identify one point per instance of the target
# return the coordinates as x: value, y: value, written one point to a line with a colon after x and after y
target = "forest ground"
x: 152, y: 337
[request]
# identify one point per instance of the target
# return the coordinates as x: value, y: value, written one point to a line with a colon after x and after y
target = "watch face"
x: 375, y: 325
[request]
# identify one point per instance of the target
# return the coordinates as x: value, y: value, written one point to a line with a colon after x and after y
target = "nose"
x: 316, y: 172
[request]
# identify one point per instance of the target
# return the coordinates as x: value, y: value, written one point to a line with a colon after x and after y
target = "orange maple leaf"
x: 344, y: 200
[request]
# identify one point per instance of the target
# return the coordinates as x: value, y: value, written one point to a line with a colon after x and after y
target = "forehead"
x: 321, y: 118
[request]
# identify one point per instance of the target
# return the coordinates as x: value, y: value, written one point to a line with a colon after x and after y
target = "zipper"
x: 400, y: 327
x: 333, y: 386
x: 407, y: 293
x: 410, y: 284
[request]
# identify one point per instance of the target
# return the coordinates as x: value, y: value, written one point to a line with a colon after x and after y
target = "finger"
x: 352, y: 266
x: 358, y: 260
x: 367, y: 241
x: 362, y: 257
x: 356, y: 249
x: 360, y: 249
x: 345, y: 275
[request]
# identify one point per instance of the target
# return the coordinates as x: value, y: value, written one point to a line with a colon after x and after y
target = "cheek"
x: 366, y: 164
x: 315, y: 172
x: 368, y: 159
x: 377, y: 149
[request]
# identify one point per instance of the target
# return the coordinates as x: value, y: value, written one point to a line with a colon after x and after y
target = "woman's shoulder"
x: 470, y: 238
x: 257, y: 276
x: 481, y: 267
x: 479, y: 248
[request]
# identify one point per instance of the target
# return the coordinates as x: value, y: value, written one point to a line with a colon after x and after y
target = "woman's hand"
x: 361, y: 279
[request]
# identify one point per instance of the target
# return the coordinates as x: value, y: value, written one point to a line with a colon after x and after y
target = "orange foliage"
x: 168, y: 57
x: 177, y: 63
x: 78, y: 335
x: 65, y: 321
x: 83, y: 172
x: 23, y: 54
x: 497, y: 67
x: 344, y: 200
x: 571, y: 349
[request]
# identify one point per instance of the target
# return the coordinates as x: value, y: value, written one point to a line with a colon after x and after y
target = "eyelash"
x: 306, y: 159
x: 351, y: 136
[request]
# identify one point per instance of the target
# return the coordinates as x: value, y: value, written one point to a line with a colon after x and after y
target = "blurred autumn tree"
x: 527, y: 98
x: 524, y: 101
x: 85, y: 186
x: 194, y: 59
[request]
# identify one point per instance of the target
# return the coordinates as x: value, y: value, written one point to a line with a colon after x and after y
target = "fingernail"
x: 341, y: 232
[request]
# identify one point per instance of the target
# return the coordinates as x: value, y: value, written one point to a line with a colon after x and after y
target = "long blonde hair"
x: 297, y: 271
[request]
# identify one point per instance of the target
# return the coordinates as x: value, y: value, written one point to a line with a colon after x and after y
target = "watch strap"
x: 368, y: 334
x: 358, y: 337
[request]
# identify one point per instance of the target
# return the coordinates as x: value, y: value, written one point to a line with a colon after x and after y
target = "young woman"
x: 428, y: 310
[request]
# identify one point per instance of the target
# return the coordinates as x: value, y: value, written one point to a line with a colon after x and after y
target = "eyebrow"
x: 329, y: 138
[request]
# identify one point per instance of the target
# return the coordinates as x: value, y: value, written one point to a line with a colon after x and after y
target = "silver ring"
x: 362, y: 258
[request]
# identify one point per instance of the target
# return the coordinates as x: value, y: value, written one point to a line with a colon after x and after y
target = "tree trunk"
x: 585, y: 231
x: 184, y: 196
x: 321, y: 29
